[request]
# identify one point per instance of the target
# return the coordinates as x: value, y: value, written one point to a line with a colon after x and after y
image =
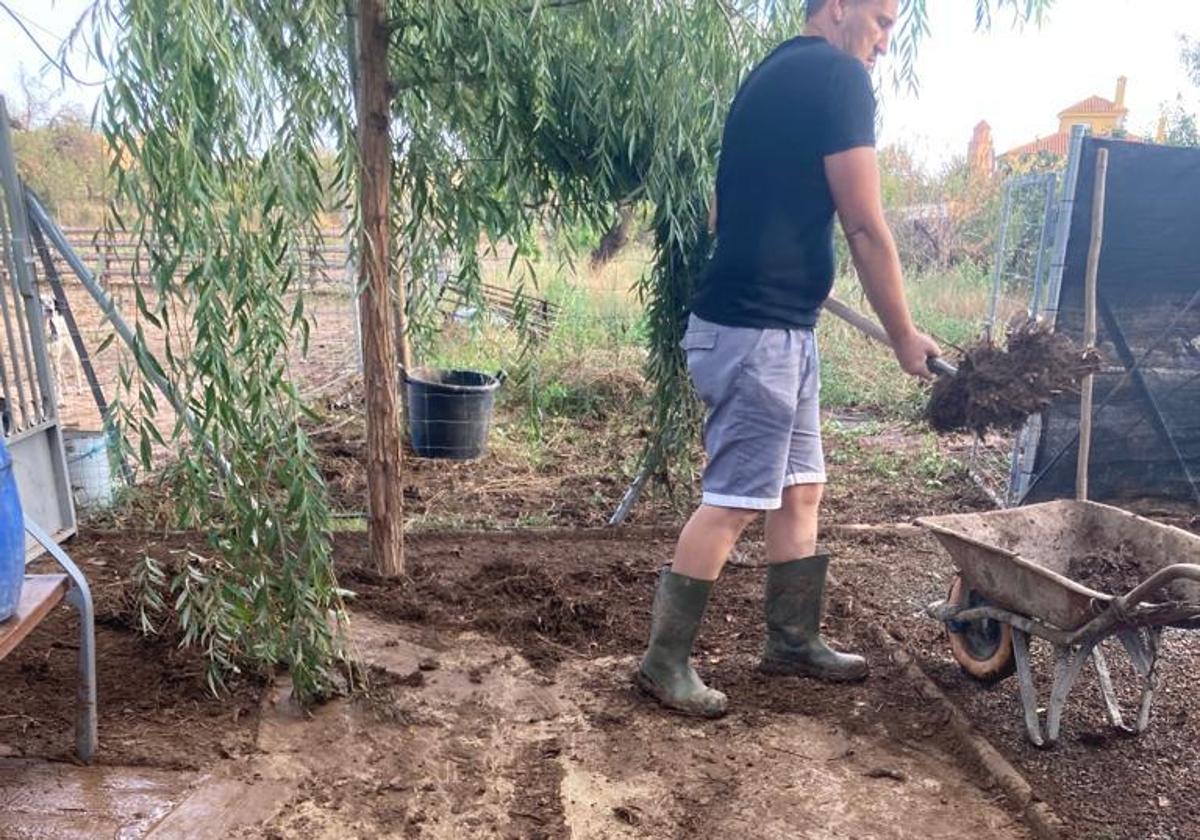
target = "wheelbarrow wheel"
x: 983, y: 648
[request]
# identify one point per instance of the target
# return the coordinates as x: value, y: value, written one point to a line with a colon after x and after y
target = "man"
x: 798, y: 146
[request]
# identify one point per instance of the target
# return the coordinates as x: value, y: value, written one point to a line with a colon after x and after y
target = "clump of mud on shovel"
x: 999, y: 387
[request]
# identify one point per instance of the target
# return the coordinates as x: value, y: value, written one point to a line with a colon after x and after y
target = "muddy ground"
x: 879, y: 580
x: 156, y: 708
x: 501, y: 707
x: 523, y: 723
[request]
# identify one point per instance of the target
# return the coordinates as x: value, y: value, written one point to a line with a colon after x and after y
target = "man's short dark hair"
x: 812, y: 7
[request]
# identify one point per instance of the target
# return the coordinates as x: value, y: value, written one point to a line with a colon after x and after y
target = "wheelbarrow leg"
x: 1150, y: 682
x: 1106, y: 688
x: 1143, y: 653
x: 1067, y: 665
x: 1029, y: 701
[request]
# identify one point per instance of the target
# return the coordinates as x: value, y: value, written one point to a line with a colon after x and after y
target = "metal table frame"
x: 79, y: 596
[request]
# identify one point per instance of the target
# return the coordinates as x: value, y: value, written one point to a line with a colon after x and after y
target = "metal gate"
x: 1027, y: 275
x: 1020, y: 281
x: 28, y: 405
x: 1043, y: 304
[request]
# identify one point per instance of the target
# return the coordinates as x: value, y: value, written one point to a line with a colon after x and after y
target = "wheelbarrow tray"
x: 1018, y: 558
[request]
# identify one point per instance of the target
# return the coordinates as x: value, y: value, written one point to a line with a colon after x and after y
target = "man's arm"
x: 854, y: 182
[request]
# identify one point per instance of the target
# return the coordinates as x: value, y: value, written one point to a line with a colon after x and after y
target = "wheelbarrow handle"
x: 1159, y: 580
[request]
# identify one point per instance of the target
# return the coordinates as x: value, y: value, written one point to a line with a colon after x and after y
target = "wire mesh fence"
x: 327, y: 351
x: 509, y: 296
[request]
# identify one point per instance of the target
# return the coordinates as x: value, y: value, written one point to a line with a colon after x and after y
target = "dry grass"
x: 600, y: 332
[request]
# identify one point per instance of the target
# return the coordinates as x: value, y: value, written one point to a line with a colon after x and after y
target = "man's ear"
x: 837, y: 10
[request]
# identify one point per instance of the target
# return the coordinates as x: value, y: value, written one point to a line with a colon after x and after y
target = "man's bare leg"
x: 792, y: 530
x: 707, y: 540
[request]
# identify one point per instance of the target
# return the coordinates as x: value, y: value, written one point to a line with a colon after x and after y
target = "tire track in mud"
x: 537, y: 810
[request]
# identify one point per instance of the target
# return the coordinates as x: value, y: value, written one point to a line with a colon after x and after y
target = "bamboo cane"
x: 1089, y: 328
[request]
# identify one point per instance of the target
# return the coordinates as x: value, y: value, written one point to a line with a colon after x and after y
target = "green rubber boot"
x: 795, y: 592
x: 665, y: 672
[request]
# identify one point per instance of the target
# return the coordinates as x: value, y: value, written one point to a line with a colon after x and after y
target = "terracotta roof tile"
x: 1056, y: 144
x: 1060, y: 145
x: 1094, y: 105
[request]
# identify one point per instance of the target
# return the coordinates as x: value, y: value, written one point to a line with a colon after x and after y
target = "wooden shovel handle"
x: 871, y: 329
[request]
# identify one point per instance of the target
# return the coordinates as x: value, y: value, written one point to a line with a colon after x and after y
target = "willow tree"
x: 506, y: 115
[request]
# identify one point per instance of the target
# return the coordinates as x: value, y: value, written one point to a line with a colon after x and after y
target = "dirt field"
x: 506, y: 712
x: 584, y: 469
x: 501, y: 707
x: 156, y: 708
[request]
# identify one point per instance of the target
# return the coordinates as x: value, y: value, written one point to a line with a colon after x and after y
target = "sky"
x: 50, y: 21
x: 1017, y: 80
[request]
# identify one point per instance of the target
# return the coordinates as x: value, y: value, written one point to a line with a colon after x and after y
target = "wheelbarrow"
x: 1012, y: 583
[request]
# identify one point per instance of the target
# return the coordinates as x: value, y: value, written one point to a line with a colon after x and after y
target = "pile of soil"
x: 1113, y: 570
x: 524, y: 597
x: 999, y: 387
x: 544, y: 612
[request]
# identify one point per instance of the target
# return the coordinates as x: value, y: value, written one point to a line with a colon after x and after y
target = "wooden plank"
x: 39, y: 595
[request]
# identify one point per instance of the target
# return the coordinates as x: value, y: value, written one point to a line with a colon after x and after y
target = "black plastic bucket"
x: 450, y: 412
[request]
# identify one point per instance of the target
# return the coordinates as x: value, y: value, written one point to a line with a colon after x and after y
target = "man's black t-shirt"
x: 774, y: 264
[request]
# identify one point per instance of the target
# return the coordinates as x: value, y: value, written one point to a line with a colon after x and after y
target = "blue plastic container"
x: 12, y: 538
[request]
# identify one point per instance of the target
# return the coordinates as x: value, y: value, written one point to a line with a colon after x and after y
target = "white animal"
x: 58, y: 345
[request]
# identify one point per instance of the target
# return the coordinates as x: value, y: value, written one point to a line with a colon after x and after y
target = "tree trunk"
x: 385, y: 503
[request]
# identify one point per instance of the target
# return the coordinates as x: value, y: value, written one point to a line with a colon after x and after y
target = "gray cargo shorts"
x: 763, y: 429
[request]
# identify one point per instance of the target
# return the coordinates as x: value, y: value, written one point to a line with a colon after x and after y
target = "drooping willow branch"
x: 231, y: 130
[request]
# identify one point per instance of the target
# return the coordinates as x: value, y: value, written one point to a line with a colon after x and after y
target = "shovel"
x: 871, y: 329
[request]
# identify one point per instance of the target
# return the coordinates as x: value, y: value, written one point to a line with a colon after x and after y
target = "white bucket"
x: 89, y: 468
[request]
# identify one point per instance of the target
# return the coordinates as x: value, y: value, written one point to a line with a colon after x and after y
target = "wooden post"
x: 385, y: 498
x: 1089, y: 324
